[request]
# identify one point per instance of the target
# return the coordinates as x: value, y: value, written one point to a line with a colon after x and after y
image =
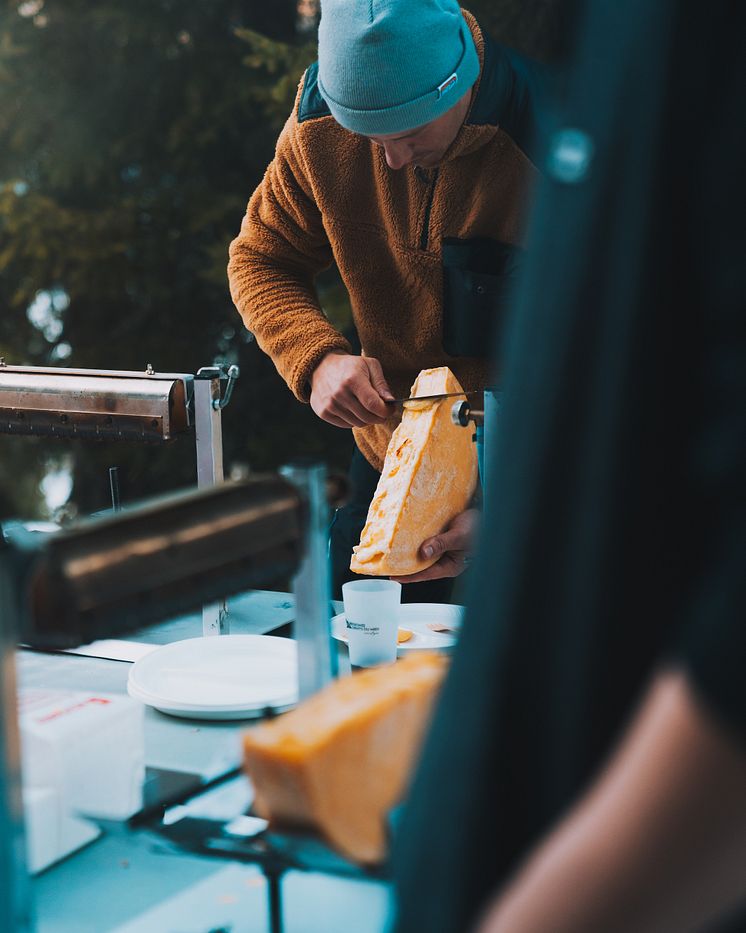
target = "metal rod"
x: 16, y: 911
x: 492, y: 404
x: 317, y: 657
x: 209, y: 437
x: 274, y: 898
x: 209, y: 429
x: 116, y: 503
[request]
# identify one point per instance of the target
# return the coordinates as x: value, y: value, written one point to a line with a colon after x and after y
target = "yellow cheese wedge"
x: 339, y: 762
x: 428, y: 478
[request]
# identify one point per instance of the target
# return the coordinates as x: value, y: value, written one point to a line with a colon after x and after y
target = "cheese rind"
x: 428, y: 478
x: 339, y: 762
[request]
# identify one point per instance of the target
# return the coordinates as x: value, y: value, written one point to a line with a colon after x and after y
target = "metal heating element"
x: 97, y: 404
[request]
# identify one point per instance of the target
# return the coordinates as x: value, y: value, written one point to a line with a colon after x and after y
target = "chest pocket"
x: 478, y: 279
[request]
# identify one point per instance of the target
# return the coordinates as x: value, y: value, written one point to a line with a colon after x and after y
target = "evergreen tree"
x: 132, y: 136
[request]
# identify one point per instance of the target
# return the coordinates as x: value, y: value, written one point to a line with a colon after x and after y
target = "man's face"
x: 426, y: 145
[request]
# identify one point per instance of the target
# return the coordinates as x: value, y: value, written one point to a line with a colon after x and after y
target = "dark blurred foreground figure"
x: 599, y: 690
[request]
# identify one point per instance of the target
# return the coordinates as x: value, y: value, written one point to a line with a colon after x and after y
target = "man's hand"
x: 452, y: 546
x: 350, y: 391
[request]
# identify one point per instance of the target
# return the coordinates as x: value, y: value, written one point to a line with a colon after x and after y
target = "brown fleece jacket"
x: 328, y: 195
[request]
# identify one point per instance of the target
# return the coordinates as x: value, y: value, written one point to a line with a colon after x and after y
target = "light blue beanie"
x: 388, y: 66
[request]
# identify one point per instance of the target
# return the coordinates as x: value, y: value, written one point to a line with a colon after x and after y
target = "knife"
x: 432, y: 398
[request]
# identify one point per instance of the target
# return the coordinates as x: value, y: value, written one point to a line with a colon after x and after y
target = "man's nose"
x: 397, y: 154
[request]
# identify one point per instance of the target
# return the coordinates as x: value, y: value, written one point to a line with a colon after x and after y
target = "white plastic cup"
x: 372, y: 616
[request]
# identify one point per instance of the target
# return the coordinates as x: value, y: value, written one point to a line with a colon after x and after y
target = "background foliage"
x: 132, y: 133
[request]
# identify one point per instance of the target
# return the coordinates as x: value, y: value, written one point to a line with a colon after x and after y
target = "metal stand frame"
x: 16, y: 906
x: 317, y: 657
x: 208, y: 426
x: 485, y: 427
x: 274, y: 901
x: 305, y: 526
x: 492, y: 403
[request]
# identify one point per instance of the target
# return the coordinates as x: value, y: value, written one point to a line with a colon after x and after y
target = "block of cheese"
x: 342, y: 759
x: 428, y: 477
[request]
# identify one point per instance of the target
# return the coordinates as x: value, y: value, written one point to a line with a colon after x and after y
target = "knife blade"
x: 433, y: 398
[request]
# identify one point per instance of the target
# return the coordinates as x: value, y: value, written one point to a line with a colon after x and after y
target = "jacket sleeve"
x: 281, y: 247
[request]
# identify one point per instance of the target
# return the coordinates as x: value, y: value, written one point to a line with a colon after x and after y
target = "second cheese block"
x: 339, y: 762
x: 428, y: 478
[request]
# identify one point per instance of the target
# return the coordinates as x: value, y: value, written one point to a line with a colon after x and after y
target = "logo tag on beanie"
x: 446, y: 86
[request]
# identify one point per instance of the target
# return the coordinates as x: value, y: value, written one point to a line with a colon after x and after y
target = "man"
x: 405, y: 162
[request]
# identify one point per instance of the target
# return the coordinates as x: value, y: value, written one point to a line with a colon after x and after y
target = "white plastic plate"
x: 220, y: 677
x: 417, y: 617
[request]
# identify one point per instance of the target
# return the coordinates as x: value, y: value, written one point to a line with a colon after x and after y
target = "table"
x: 131, y: 881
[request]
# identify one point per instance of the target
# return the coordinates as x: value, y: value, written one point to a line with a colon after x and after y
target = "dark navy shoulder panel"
x: 312, y: 105
x: 514, y: 95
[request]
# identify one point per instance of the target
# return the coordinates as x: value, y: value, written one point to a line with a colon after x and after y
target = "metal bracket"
x: 208, y: 405
x: 209, y: 439
x: 462, y: 413
x: 233, y: 373
x: 221, y: 371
